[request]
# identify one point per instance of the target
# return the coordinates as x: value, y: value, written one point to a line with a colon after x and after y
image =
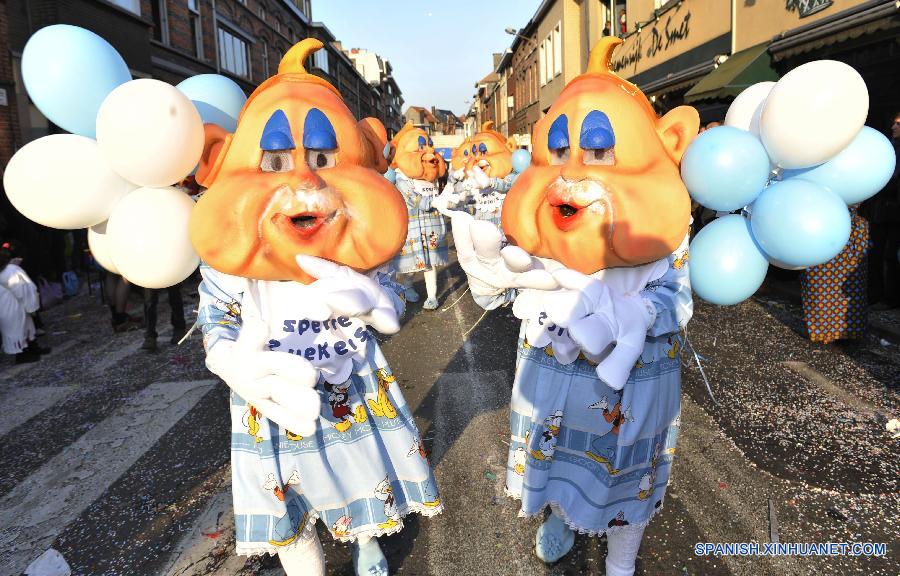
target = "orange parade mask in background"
x: 461, y: 155
x: 413, y: 154
x: 604, y: 187
x: 299, y: 176
x: 490, y: 151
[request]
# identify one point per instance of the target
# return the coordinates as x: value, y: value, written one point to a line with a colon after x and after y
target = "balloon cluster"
x: 792, y: 156
x: 130, y: 142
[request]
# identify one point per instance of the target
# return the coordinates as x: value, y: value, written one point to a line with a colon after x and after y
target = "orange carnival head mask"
x: 491, y: 152
x: 413, y: 154
x: 299, y: 176
x: 461, y: 155
x: 604, y: 188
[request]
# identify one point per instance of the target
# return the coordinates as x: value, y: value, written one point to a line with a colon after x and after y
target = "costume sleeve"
x: 504, y: 184
x: 670, y: 295
x: 387, y: 278
x: 219, y: 316
x: 23, y: 288
x: 495, y: 301
x: 410, y: 196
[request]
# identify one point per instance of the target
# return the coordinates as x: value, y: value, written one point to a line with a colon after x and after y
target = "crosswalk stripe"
x: 39, y: 508
x: 22, y: 404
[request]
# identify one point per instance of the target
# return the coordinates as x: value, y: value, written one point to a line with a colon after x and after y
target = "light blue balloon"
x: 725, y: 168
x: 726, y: 265
x: 521, y: 160
x: 391, y: 175
x: 68, y: 72
x: 221, y: 99
x: 858, y: 171
x: 799, y: 224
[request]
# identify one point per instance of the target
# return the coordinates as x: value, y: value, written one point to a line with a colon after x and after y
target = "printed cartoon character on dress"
x: 300, y: 176
x: 413, y: 155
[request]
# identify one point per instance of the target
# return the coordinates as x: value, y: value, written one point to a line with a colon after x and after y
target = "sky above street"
x: 438, y: 50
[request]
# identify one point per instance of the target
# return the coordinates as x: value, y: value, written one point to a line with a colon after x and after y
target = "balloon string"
x: 456, y: 301
x: 188, y: 335
x: 477, y: 322
x: 697, y: 359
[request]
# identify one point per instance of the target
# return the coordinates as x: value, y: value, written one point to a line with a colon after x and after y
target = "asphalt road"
x: 119, y: 459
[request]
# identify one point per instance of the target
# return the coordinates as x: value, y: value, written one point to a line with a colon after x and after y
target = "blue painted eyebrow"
x: 421, y: 140
x: 465, y: 152
x: 482, y: 148
x: 277, y: 133
x: 596, y: 132
x: 430, y: 142
x: 318, y: 133
x: 558, y: 136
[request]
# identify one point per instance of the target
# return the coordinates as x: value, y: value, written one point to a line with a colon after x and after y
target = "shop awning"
x: 677, y: 80
x: 740, y: 71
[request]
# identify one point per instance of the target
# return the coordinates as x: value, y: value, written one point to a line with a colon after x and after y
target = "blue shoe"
x: 411, y: 294
x: 368, y: 560
x: 430, y: 304
x: 553, y: 539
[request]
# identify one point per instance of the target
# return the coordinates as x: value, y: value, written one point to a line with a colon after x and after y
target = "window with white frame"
x: 320, y: 59
x: 265, y: 58
x: 542, y: 62
x: 133, y: 6
x: 557, y: 49
x: 160, y: 20
x: 234, y: 54
x: 261, y: 12
x: 196, y: 30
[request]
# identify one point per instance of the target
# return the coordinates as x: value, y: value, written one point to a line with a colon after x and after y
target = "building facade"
x: 170, y: 40
x: 377, y: 71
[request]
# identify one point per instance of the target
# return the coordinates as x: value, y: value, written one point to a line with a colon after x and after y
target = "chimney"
x: 497, y: 58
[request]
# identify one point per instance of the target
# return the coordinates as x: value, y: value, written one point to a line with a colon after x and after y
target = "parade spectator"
x: 151, y: 303
x: 834, y: 293
x: 20, y: 299
x: 117, y: 290
x: 883, y: 213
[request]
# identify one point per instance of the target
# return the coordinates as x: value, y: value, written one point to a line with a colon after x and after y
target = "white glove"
x: 343, y: 291
x: 596, y: 317
x: 584, y: 306
x: 491, y: 270
x: 444, y: 200
x: 459, y: 174
x: 280, y: 385
x: 480, y: 178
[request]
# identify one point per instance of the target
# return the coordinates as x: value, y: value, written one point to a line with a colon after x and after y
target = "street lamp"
x: 514, y: 32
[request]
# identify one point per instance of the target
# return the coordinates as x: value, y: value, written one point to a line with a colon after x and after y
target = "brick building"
x: 169, y: 40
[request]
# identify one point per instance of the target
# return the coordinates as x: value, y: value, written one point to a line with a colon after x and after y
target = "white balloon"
x: 148, y: 237
x: 150, y: 133
x: 62, y: 181
x: 98, y: 242
x: 813, y: 113
x: 745, y: 110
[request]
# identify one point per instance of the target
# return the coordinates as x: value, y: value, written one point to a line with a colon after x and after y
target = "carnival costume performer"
x: 598, y: 272
x: 294, y: 230
x: 417, y: 169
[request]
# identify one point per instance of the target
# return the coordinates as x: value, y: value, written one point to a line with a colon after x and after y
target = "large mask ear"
x: 214, y: 149
x: 677, y: 129
x: 375, y: 140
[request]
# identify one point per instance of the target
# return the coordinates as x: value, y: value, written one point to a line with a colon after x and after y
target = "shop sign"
x: 806, y: 8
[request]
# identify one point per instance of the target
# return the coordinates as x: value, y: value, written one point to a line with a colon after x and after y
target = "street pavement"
x: 118, y: 458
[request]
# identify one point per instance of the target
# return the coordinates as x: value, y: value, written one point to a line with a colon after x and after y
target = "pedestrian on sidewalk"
x: 176, y: 316
x: 834, y: 293
x: 418, y: 168
x: 20, y: 293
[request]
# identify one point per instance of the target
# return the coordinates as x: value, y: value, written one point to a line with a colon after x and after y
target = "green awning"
x: 740, y: 71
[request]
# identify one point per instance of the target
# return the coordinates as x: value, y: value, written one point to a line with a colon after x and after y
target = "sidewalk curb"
x: 786, y: 290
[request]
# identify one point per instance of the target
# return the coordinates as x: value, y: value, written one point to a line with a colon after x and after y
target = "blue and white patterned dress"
x: 426, y: 238
x: 363, y: 470
x: 599, y: 457
x: 489, y: 201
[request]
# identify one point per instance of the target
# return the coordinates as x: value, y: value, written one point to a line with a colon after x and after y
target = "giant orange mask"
x: 490, y: 151
x: 413, y: 154
x: 299, y: 176
x: 603, y: 189
x: 461, y: 155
